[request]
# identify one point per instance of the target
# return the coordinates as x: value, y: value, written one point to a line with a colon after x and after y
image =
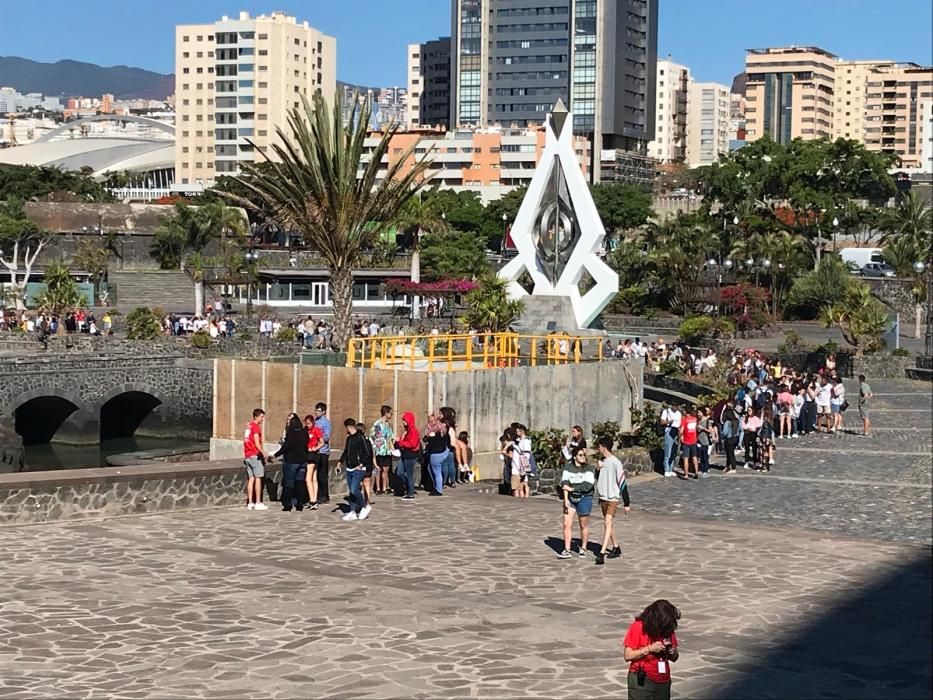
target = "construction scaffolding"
x: 626, y: 166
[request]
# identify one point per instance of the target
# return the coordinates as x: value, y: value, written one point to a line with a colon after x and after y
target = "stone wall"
x: 882, y: 366
x: 898, y: 295
x: 636, y: 460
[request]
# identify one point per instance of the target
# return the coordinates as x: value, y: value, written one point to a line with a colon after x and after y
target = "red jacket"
x: 411, y: 439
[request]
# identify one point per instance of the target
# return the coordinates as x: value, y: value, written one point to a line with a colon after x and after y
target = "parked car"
x: 878, y: 270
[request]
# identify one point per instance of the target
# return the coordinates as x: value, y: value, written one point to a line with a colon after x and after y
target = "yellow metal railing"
x: 453, y: 353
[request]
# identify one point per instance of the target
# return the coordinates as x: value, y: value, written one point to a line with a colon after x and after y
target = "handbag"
x: 844, y: 406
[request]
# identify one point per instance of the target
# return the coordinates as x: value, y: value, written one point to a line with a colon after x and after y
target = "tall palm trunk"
x: 341, y: 295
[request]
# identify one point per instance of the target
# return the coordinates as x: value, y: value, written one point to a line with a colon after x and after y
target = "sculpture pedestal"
x: 544, y: 314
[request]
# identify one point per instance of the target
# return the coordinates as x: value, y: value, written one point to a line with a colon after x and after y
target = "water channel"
x: 53, y: 456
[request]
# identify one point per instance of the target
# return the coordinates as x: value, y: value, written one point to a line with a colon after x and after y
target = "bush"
x: 201, y: 339
x: 142, y: 324
x: 610, y: 429
x: 901, y: 352
x: 546, y: 445
x: 646, y: 428
x: 286, y: 334
x: 693, y: 330
x: 792, y: 343
x: 670, y: 368
x: 819, y: 288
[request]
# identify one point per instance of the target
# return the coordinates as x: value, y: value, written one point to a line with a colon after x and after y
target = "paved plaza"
x: 811, y: 582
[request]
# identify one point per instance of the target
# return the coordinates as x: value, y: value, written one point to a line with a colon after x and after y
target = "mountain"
x: 72, y: 78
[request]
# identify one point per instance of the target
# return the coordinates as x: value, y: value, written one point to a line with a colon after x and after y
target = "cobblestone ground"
x: 462, y: 596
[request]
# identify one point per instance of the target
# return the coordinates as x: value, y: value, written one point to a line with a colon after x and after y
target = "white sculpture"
x: 558, y: 232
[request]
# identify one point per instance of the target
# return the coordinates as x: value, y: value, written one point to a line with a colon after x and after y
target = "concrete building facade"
x: 235, y: 81
x: 429, y: 83
x: 513, y: 59
x: 708, y: 123
x: 849, y: 97
x: 895, y: 96
x: 789, y: 93
x: 669, y: 144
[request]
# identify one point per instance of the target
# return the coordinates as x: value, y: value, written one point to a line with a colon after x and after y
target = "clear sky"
x: 709, y: 36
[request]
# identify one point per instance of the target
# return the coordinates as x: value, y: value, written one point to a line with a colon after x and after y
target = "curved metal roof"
x: 102, y: 155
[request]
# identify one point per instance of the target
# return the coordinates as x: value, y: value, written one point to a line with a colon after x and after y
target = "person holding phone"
x: 650, y: 647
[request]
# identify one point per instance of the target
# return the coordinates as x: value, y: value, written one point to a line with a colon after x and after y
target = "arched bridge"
x: 84, y: 399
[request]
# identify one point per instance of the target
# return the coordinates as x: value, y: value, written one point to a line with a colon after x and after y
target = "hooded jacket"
x: 410, y: 442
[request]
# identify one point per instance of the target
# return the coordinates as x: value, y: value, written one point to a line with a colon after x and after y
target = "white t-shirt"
x: 838, y: 394
x: 796, y: 405
x: 823, y: 394
x: 672, y: 415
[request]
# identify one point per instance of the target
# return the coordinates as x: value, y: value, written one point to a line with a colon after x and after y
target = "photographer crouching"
x: 650, y: 646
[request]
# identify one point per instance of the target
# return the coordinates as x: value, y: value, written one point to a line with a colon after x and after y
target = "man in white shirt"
x: 671, y: 418
x: 823, y: 411
x: 373, y: 328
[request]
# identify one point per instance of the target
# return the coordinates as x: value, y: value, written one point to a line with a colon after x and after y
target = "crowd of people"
x: 43, y: 323
x: 771, y: 402
x: 375, y: 461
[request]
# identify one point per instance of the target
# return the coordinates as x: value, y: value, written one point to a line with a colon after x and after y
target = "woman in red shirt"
x: 650, y: 646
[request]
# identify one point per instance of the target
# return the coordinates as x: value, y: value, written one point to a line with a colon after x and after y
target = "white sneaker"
x: 260, y: 506
x: 250, y: 506
x: 668, y: 475
x: 365, y: 512
x: 351, y: 516
x: 795, y: 436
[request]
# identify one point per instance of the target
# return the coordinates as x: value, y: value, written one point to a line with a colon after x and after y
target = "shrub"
x: 860, y: 318
x: 901, y: 352
x: 817, y: 289
x: 610, y: 429
x: 286, y: 334
x: 645, y: 422
x: 201, y: 339
x: 142, y: 324
x: 546, y: 445
x: 696, y: 328
x: 792, y: 343
x: 670, y: 368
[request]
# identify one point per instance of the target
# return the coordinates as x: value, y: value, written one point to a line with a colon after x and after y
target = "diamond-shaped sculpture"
x: 558, y: 232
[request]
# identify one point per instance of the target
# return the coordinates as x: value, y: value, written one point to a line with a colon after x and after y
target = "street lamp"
x: 505, y: 233
x: 920, y: 268
x: 835, y: 227
x: 251, y: 257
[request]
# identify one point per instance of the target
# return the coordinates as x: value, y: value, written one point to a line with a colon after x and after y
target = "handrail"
x: 462, y: 352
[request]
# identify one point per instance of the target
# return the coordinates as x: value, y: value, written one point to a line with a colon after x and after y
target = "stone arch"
x: 123, y: 409
x: 39, y: 413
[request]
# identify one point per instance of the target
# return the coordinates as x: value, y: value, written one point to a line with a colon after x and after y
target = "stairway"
x: 170, y: 290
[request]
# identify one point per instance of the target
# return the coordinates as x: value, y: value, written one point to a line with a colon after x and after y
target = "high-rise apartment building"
x: 849, y: 97
x: 708, y: 121
x: 235, y: 81
x: 513, y: 59
x: 429, y: 76
x: 669, y: 144
x: 789, y: 93
x: 895, y: 97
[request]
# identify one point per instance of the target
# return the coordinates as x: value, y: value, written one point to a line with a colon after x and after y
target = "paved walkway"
x: 462, y: 596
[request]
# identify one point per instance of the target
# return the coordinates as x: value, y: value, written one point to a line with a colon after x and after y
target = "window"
x: 184, y: 54
x: 263, y: 132
x: 184, y: 149
x: 262, y: 36
x: 200, y: 70
x: 185, y: 71
x: 263, y: 52
x: 184, y: 38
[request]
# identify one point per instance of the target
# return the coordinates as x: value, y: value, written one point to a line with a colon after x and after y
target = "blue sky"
x: 710, y: 36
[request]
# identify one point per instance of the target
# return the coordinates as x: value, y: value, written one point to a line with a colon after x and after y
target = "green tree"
x: 29, y: 182
x: 911, y: 219
x: 462, y: 211
x: 507, y: 205
x: 92, y: 256
x: 622, y: 207
x: 489, y: 306
x: 678, y: 248
x: 454, y: 254
x: 320, y: 185
x: 860, y: 317
x: 61, y: 294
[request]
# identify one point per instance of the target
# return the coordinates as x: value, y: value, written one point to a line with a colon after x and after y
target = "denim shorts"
x: 836, y: 408
x: 254, y: 467
x: 584, y: 506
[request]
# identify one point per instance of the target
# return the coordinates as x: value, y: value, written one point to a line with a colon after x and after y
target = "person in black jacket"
x: 294, y: 453
x: 354, y: 460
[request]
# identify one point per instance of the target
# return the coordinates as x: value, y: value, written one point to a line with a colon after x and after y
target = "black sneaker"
x: 435, y: 493
x: 614, y: 553
x: 408, y: 498
x: 600, y: 558
x: 566, y: 554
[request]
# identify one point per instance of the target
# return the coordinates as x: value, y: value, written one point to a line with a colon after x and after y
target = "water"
x: 59, y: 456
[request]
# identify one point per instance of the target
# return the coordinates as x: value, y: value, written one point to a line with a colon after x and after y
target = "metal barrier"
x: 452, y: 353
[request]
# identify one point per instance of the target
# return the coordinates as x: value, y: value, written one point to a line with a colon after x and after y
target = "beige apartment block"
x: 708, y: 122
x: 849, y: 97
x: 789, y: 93
x: 669, y: 144
x: 235, y: 81
x: 895, y: 99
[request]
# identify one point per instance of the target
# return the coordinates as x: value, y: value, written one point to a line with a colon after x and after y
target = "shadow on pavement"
x: 875, y: 644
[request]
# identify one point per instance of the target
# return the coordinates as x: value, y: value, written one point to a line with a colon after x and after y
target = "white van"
x: 857, y: 258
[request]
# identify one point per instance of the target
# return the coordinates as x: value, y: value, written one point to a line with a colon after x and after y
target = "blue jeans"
x: 669, y: 443
x: 450, y: 469
x: 408, y: 473
x: 289, y: 477
x: 437, y: 460
x: 354, y: 482
x: 704, y: 459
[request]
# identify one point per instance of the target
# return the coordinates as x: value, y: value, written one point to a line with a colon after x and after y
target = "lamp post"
x: 835, y: 228
x: 505, y: 233
x: 251, y: 257
x: 921, y: 268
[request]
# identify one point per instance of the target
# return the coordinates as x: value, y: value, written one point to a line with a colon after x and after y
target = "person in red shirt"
x: 254, y: 460
x: 315, y: 441
x: 650, y: 646
x: 689, y: 451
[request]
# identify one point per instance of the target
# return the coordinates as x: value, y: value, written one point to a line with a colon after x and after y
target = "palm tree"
x: 912, y: 219
x: 490, y: 306
x: 417, y: 219
x: 61, y: 294
x: 319, y: 183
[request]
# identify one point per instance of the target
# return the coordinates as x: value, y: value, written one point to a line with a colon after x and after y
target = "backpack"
x: 727, y: 431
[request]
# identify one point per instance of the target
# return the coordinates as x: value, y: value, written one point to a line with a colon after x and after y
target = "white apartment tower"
x: 669, y: 144
x: 708, y: 123
x: 235, y: 81
x: 413, y: 102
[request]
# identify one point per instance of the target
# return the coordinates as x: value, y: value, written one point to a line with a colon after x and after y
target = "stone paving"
x: 462, y: 596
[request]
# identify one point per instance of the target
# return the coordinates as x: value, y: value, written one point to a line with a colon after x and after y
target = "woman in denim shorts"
x: 578, y: 483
